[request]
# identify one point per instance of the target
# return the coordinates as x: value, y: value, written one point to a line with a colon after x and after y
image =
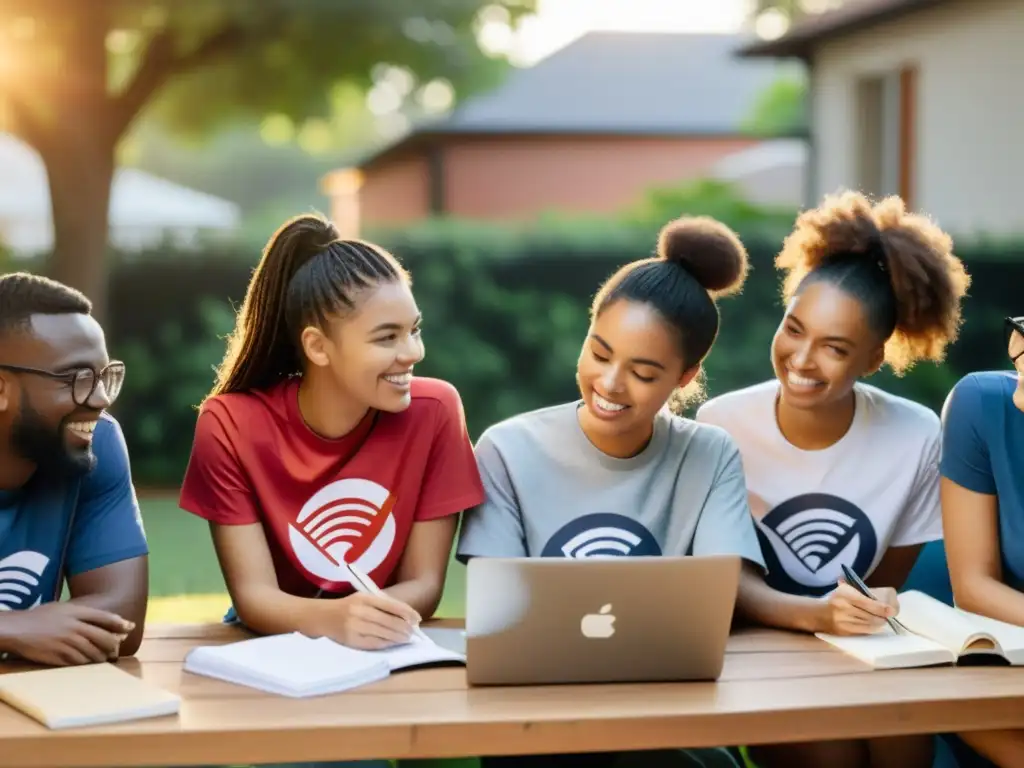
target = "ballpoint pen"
x: 364, y: 583
x: 856, y: 582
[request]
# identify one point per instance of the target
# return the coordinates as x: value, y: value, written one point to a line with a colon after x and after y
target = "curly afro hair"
x: 900, y: 265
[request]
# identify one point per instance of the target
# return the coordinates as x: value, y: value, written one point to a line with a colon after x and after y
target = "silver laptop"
x: 532, y: 621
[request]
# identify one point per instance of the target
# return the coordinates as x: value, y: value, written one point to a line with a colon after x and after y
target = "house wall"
x: 395, y: 192
x: 516, y: 178
x: 966, y: 157
x: 519, y: 177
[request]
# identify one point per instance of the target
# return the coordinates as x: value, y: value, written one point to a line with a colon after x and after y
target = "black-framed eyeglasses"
x: 83, y: 381
x: 1011, y: 325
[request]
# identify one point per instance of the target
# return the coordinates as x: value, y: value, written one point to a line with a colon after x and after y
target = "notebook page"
x: 91, y: 694
x: 935, y: 620
x: 886, y: 649
x: 418, y: 651
x: 1010, y: 636
x: 291, y: 664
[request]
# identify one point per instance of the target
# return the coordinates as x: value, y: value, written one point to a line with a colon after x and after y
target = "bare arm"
x: 896, y: 565
x: 845, y: 612
x: 424, y: 565
x: 759, y: 603
x: 971, y: 524
x: 249, y: 575
x: 120, y: 588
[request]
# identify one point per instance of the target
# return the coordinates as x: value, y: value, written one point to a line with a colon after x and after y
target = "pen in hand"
x: 857, y: 583
x: 363, y: 583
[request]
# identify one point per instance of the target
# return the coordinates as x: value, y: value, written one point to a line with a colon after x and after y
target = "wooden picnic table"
x: 775, y: 687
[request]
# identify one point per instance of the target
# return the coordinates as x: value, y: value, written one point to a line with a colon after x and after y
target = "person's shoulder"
x: 427, y: 392
x: 245, y: 415
x: 111, y: 452
x: 734, y: 404
x: 536, y: 424
x: 108, y: 438
x: 988, y: 385
x: 907, y: 417
x: 978, y: 392
x: 233, y: 405
x: 698, y: 438
x: 433, y: 404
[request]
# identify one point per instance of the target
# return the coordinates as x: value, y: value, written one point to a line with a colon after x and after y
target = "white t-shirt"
x: 877, y: 487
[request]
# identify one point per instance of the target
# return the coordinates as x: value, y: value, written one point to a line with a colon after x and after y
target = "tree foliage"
x: 781, y: 109
x: 75, y: 74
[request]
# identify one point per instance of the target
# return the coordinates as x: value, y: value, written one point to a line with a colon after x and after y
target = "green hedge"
x: 505, y: 314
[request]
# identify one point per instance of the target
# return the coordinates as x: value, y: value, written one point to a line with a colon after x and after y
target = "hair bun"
x: 708, y: 250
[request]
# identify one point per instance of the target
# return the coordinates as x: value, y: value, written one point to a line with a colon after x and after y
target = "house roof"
x: 618, y: 83
x: 853, y: 16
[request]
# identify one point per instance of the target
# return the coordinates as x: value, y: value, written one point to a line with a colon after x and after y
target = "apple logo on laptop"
x: 600, y: 624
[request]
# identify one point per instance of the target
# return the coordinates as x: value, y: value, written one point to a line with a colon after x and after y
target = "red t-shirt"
x: 326, y: 502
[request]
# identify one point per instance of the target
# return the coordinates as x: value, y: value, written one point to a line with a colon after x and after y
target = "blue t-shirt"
x: 983, y: 451
x: 34, y: 524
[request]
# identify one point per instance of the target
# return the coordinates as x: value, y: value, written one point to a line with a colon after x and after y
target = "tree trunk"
x: 80, y: 167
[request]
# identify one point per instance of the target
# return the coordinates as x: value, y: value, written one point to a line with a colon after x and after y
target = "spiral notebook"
x: 91, y: 694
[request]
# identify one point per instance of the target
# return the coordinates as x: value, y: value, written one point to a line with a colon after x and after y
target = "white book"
x: 299, y: 666
x: 935, y: 634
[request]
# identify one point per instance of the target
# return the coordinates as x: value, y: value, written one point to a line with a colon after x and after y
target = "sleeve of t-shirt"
x: 495, y: 527
x: 216, y: 487
x: 921, y: 520
x: 108, y: 523
x: 452, y: 481
x: 965, y: 459
x: 726, y: 526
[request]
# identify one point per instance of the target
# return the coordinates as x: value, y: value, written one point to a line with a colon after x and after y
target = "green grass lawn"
x: 185, y: 581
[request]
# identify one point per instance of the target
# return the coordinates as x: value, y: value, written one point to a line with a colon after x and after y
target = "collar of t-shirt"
x: 590, y: 452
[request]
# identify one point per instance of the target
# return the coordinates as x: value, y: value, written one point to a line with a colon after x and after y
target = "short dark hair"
x: 23, y: 295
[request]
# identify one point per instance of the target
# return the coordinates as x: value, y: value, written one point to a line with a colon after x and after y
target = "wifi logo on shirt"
x: 347, y: 521
x: 807, y: 539
x: 20, y: 578
x: 602, y: 535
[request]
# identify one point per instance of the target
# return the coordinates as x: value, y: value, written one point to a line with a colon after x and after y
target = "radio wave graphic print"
x: 601, y: 535
x: 807, y: 539
x: 20, y: 577
x: 347, y: 521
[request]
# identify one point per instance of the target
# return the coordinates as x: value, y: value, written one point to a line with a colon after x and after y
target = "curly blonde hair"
x: 928, y: 281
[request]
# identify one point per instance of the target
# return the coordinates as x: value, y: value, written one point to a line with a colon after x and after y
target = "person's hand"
x: 851, y: 613
x: 63, y: 634
x: 371, y: 622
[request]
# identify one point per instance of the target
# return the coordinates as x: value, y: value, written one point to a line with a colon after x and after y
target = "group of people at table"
x: 316, y: 403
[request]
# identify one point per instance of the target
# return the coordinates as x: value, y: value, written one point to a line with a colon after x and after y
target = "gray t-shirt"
x: 551, y: 493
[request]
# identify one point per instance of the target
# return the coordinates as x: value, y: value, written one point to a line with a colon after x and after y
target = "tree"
x: 75, y: 75
x: 781, y: 109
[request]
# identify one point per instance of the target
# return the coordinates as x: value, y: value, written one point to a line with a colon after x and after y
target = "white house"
x: 144, y: 209
x: 921, y: 98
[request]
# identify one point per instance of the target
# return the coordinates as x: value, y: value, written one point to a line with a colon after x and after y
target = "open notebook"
x: 91, y: 694
x: 938, y: 634
x: 299, y: 666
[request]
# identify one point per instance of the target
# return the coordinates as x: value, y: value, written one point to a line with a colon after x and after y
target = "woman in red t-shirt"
x: 317, y: 447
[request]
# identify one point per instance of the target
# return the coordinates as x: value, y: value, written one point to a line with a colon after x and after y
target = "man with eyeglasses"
x: 68, y: 510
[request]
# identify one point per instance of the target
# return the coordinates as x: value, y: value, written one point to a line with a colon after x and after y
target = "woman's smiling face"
x: 629, y: 365
x: 823, y: 345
